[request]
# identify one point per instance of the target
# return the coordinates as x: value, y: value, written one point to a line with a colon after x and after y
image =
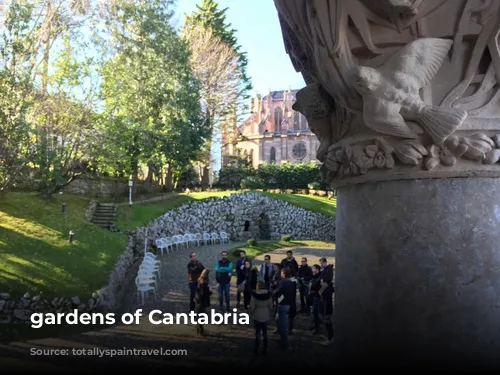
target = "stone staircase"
x: 105, y: 215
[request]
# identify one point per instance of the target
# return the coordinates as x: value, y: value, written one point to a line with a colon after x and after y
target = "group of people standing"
x: 269, y: 293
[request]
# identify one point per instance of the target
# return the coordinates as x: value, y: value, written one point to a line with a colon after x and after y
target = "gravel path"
x: 232, y: 344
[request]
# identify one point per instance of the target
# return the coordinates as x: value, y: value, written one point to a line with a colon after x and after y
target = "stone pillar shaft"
x: 404, y: 98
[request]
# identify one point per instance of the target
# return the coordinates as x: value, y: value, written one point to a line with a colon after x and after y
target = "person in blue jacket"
x: 223, y: 273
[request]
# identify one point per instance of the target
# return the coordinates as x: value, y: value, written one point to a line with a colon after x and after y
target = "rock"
x: 75, y: 300
x: 2, y: 304
x: 36, y: 298
x: 22, y: 314
x: 5, y: 295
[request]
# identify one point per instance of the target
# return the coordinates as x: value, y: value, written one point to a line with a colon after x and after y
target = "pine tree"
x: 208, y: 15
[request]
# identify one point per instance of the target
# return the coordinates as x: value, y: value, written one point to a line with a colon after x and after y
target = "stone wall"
x: 107, y: 299
x: 105, y: 187
x: 229, y: 214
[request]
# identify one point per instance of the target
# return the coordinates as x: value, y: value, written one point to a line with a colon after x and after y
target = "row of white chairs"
x: 180, y: 241
x: 148, y: 276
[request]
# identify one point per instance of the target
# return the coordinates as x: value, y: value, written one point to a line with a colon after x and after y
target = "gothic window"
x: 278, y: 118
x: 296, y: 121
x: 299, y: 151
x: 272, y: 159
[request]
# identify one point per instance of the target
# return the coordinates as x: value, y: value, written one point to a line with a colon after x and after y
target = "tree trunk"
x: 169, y: 182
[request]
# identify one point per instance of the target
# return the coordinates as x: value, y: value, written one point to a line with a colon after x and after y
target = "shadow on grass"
x: 33, y: 265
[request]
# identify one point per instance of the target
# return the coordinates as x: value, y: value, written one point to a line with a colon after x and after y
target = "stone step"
x: 106, y: 217
x: 102, y: 222
x: 105, y: 211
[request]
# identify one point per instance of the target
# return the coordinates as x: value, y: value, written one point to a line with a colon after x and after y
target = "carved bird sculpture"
x: 391, y: 92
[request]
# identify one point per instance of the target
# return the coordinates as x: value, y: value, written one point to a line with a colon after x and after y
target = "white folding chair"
x: 214, y: 237
x: 152, y: 263
x: 199, y: 238
x: 187, y: 240
x: 160, y: 245
x: 206, y: 238
x: 144, y: 288
x: 146, y: 277
x: 168, y: 242
x: 224, y: 237
x: 151, y: 269
x: 151, y: 255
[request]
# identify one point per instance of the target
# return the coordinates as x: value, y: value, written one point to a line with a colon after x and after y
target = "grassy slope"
x: 35, y: 254
x: 312, y: 203
x: 263, y: 247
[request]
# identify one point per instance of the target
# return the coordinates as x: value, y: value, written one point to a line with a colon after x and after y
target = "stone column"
x: 404, y: 97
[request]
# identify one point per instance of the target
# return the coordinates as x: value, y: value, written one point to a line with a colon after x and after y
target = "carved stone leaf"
x: 431, y: 163
x: 492, y: 156
x: 384, y: 146
x: 389, y: 161
x: 371, y: 150
x: 434, y: 151
x: 496, y: 139
x: 461, y: 150
x: 447, y: 158
x: 408, y: 154
x: 369, y: 164
x: 416, y: 145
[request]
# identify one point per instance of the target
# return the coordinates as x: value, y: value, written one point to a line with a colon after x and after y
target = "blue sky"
x: 259, y: 34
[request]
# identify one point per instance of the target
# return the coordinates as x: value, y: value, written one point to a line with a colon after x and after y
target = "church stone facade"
x: 274, y: 132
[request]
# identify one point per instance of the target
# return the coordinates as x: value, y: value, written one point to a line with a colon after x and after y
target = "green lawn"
x: 313, y: 203
x: 36, y: 256
x: 142, y: 214
x: 263, y: 247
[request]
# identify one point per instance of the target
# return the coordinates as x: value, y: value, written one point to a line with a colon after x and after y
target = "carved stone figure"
x: 391, y: 93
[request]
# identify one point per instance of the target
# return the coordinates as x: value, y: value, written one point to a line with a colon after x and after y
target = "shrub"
x: 252, y: 183
x: 252, y: 242
x: 286, y: 238
x: 314, y: 186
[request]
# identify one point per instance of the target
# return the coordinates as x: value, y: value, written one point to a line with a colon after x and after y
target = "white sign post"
x: 130, y: 185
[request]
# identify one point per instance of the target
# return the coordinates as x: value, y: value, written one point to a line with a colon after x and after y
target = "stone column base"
x: 418, y: 273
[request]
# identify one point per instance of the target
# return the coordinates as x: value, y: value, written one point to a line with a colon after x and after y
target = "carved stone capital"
x: 398, y: 89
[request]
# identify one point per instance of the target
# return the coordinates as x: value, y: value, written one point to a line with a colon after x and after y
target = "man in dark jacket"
x: 194, y: 268
x: 290, y: 262
x: 304, y: 276
x: 314, y: 297
x: 223, y: 273
x: 267, y: 271
x: 326, y: 309
x: 286, y: 299
x: 327, y: 271
x: 240, y: 276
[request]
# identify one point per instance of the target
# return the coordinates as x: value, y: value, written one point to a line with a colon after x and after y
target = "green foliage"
x: 314, y: 186
x: 16, y: 54
x: 272, y: 176
x: 253, y: 182
x: 150, y: 89
x: 286, y: 238
x: 252, y: 242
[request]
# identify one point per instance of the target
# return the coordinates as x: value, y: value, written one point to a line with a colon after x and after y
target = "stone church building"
x: 273, y: 132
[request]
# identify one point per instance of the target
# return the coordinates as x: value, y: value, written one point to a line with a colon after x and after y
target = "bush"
x: 252, y: 242
x: 314, y: 186
x: 252, y: 183
x: 286, y: 238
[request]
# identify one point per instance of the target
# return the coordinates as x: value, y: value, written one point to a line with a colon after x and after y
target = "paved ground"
x: 232, y: 344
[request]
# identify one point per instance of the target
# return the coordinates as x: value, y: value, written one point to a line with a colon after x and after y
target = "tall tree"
x: 149, y: 88
x: 220, y: 65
